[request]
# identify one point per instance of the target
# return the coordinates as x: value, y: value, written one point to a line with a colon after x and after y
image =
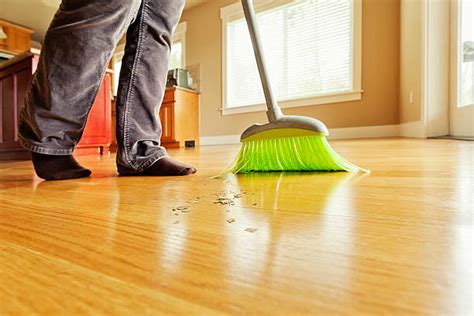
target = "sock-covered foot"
x: 167, y: 166
x: 52, y: 167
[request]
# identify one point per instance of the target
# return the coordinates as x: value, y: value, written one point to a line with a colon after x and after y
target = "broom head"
x: 288, y: 149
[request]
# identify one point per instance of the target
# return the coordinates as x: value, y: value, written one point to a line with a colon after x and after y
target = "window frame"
x: 457, y: 53
x: 180, y: 35
x: 235, y: 12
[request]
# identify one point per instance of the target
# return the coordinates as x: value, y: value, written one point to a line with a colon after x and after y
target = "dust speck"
x: 224, y: 201
x: 250, y: 229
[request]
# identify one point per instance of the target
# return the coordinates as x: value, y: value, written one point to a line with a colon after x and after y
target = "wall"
x: 380, y: 71
x: 34, y: 14
x: 410, y: 60
x: 37, y: 14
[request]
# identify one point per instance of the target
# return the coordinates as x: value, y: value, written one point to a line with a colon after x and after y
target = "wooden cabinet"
x: 18, y: 38
x: 14, y: 80
x: 97, y: 134
x: 167, y: 119
x: 15, y: 75
x: 179, y: 115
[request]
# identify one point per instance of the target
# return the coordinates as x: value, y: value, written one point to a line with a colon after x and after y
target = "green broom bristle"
x: 304, y: 151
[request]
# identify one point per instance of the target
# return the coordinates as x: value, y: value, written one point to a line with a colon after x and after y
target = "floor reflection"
x: 297, y: 217
x: 295, y: 214
x: 283, y: 191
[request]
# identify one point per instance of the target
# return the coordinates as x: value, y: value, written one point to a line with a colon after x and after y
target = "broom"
x: 285, y: 143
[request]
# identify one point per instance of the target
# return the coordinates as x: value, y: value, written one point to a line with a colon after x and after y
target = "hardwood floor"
x: 396, y: 242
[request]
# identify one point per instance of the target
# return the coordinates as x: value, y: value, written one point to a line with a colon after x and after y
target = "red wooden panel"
x: 22, y: 80
x: 98, y: 127
x: 95, y: 127
x: 14, y: 81
x: 8, y: 108
x: 1, y: 112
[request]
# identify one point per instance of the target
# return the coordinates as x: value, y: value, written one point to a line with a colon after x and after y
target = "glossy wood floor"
x: 396, y: 242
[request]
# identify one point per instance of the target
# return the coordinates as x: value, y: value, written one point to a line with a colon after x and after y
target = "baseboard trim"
x: 411, y: 129
x: 364, y: 132
x: 219, y: 140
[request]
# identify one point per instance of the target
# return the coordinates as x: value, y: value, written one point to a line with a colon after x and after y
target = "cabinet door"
x: 98, y: 127
x: 8, y: 110
x: 13, y: 89
x: 167, y: 121
x: 17, y: 40
x: 22, y: 83
x: 14, y: 81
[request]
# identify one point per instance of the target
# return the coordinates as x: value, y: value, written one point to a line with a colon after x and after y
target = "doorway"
x: 462, y: 69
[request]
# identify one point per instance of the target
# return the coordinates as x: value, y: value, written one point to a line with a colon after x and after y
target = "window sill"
x: 293, y: 103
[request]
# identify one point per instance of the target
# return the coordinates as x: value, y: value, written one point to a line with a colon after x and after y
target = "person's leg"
x: 77, y: 48
x: 141, y: 90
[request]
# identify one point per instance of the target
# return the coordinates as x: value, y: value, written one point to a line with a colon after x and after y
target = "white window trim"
x: 180, y: 35
x: 234, y: 12
x: 456, y: 54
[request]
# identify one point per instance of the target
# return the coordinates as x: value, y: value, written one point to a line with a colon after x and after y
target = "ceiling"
x: 21, y: 12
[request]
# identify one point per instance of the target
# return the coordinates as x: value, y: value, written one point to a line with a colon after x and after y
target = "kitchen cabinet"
x: 15, y: 75
x: 14, y: 80
x: 18, y: 38
x: 97, y: 135
x: 179, y: 115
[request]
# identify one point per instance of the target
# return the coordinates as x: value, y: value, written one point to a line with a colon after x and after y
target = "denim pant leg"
x: 142, y: 84
x: 77, y: 48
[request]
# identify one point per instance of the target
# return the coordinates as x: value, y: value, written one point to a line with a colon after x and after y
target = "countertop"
x: 183, y: 89
x: 19, y: 58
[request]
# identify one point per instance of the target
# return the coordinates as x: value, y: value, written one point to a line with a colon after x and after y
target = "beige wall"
x: 34, y: 14
x: 37, y: 14
x: 410, y: 60
x: 380, y: 71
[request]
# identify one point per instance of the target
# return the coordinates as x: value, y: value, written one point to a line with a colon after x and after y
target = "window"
x: 177, y: 57
x: 312, y: 49
x: 117, y: 66
x: 466, y: 49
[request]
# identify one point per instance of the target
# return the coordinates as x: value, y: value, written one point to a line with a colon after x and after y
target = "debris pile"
x: 250, y: 230
x: 224, y: 198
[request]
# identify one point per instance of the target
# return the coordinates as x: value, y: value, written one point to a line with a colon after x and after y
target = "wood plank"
x: 67, y: 289
x: 395, y: 242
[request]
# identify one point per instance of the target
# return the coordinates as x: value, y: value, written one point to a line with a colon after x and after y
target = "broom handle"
x: 274, y: 112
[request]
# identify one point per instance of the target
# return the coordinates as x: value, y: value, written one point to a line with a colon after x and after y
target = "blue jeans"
x: 77, y: 49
